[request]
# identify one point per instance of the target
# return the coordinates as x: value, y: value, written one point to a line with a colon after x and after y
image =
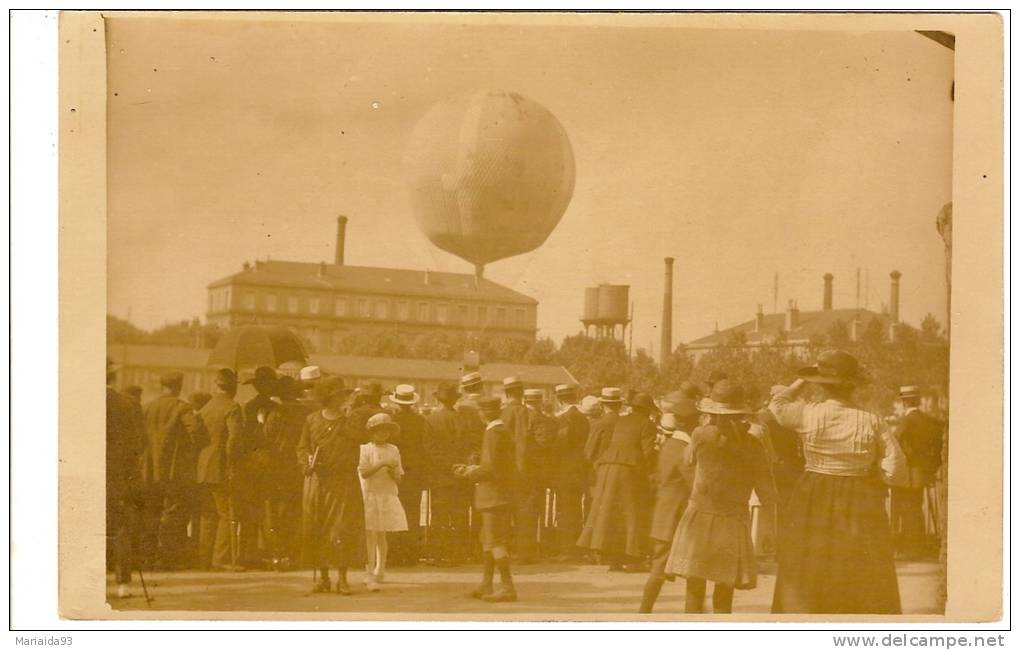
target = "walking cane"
x: 145, y: 590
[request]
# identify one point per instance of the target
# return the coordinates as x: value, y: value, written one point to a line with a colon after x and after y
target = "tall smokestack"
x: 827, y: 297
x: 341, y: 236
x: 894, y: 297
x: 666, y: 348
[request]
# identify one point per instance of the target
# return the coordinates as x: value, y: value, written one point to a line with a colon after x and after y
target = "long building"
x: 325, y: 302
x: 796, y: 330
x: 143, y: 365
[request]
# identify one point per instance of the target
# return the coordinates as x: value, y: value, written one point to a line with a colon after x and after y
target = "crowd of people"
x: 312, y: 473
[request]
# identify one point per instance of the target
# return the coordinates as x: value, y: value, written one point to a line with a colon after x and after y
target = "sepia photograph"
x: 415, y: 316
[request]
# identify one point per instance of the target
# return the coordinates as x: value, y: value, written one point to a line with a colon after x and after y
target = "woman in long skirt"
x: 332, y: 515
x: 712, y: 542
x: 835, y: 548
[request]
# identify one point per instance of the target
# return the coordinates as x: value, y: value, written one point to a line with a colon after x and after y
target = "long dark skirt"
x: 332, y: 523
x: 835, y: 549
x: 617, y: 524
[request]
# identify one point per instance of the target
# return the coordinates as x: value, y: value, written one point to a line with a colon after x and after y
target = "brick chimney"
x: 341, y: 238
x: 792, y: 316
x: 827, y: 296
x: 666, y: 344
x: 894, y: 297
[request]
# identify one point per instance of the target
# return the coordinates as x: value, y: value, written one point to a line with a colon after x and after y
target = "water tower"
x: 606, y: 308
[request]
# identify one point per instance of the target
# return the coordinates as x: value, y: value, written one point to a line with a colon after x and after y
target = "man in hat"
x: 472, y: 390
x: 493, y: 476
x: 410, y: 440
x: 367, y: 402
x: 174, y: 435
x: 536, y: 470
x: 124, y: 440
x: 673, y: 480
x: 282, y: 505
x: 251, y: 466
x: 611, y: 401
x: 920, y: 437
x: 574, y: 471
x: 617, y: 524
x: 448, y: 443
x: 224, y: 422
x: 309, y: 377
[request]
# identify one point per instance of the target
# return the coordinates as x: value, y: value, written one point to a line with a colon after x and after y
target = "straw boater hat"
x: 534, y: 395
x: 310, y: 373
x: 667, y: 423
x: 290, y: 369
x: 727, y: 398
x: 512, y: 382
x: 611, y: 395
x: 833, y: 367
x: 382, y: 421
x: 566, y: 390
x: 404, y: 394
x: 471, y: 382
x: 907, y: 392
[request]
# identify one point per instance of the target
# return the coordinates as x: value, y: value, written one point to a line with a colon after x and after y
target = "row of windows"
x: 377, y: 308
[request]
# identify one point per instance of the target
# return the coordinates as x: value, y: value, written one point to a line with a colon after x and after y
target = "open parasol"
x: 250, y: 346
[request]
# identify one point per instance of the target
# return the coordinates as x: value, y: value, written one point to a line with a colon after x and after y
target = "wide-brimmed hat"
x: 534, y: 395
x: 683, y: 407
x: 263, y: 375
x: 329, y: 388
x: 642, y: 401
x: 727, y: 398
x: 589, y: 405
x: 908, y: 392
x: 833, y: 367
x: 382, y: 421
x: 611, y: 395
x: 447, y: 392
x: 404, y: 394
x: 512, y: 382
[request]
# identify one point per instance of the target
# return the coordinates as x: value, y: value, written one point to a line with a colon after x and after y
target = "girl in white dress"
x: 380, y: 471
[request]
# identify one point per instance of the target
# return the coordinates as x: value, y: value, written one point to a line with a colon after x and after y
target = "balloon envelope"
x: 489, y: 173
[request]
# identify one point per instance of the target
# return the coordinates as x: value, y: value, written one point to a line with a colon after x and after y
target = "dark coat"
x: 414, y: 431
x: 283, y: 432
x: 632, y: 443
x: 920, y: 437
x: 448, y: 442
x: 674, y: 477
x: 124, y: 441
x: 599, y: 435
x: 571, y: 436
x: 223, y: 422
x: 515, y: 420
x: 494, y: 475
x: 173, y: 436
x: 538, y: 461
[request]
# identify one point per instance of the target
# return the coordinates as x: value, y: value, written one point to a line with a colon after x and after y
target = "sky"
x: 741, y: 153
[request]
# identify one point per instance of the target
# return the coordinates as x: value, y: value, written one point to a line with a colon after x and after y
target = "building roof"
x: 809, y: 324
x: 374, y: 280
x: 382, y: 368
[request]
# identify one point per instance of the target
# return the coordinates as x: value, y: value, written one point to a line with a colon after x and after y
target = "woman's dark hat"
x: 264, y: 375
x: 447, y: 392
x: 490, y: 404
x: 834, y: 367
x: 642, y: 401
x: 329, y: 388
x: 225, y: 379
x: 727, y: 398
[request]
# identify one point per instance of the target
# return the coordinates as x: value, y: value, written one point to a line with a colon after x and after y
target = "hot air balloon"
x: 489, y: 174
